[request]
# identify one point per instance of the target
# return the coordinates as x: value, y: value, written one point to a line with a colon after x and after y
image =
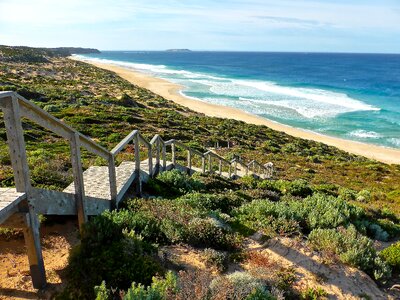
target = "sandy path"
x: 171, y: 91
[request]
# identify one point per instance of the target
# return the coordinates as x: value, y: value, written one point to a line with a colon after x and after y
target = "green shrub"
x: 347, y: 194
x: 214, y: 258
x: 391, y: 255
x: 223, y: 202
x: 329, y: 212
x: 363, y: 196
x: 159, y: 289
x: 175, y: 182
x: 314, y: 294
x: 109, y: 253
x: 209, y: 233
x: 351, y: 248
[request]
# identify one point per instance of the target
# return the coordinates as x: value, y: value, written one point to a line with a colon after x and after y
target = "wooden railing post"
x: 157, y: 166
x: 173, y: 154
x: 112, y: 177
x: 164, y: 156
x: 78, y: 178
x: 17, y: 150
x: 210, y: 164
x: 235, y: 170
x: 189, y: 161
x: 138, y: 182
x: 220, y: 167
x: 203, y: 164
x: 150, y: 158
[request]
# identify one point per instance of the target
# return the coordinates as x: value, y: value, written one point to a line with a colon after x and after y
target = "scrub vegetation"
x: 337, y: 204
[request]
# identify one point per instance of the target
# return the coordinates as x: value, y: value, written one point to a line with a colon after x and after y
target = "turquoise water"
x: 351, y: 96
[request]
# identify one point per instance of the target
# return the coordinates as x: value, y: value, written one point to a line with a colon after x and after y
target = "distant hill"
x: 38, y: 55
x: 178, y: 50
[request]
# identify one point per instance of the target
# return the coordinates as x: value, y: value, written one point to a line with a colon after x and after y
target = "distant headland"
x: 178, y: 50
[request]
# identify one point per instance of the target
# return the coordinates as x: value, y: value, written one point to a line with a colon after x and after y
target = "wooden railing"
x: 15, y: 106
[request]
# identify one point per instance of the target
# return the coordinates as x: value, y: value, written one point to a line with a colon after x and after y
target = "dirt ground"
x: 15, y: 281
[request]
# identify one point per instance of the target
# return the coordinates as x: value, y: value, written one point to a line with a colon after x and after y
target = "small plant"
x: 314, y: 294
x: 391, y: 255
x: 159, y: 289
x: 214, y: 258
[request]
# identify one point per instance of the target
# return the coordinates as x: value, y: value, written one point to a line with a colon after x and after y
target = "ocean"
x: 350, y: 96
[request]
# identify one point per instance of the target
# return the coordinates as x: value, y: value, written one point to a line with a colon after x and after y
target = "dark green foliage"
x: 109, y: 252
x: 172, y: 183
x: 391, y: 255
x: 210, y: 233
x: 222, y: 202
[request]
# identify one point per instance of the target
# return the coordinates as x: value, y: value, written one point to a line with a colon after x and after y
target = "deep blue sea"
x: 351, y: 96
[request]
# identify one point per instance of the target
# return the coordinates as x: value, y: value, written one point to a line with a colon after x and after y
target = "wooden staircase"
x: 99, y: 187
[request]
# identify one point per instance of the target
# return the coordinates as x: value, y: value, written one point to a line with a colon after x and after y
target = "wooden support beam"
x: 78, y: 179
x: 220, y: 167
x: 16, y: 143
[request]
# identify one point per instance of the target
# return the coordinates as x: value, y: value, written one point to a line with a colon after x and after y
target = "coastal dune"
x: 171, y: 91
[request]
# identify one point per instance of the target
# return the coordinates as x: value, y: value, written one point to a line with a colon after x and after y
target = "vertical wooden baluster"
x: 164, y: 156
x: 78, y: 178
x: 157, y: 166
x: 150, y: 155
x: 137, y: 165
x: 189, y: 161
x: 112, y: 178
x: 17, y: 150
x: 235, y: 170
x: 173, y: 154
x: 203, y: 164
x: 220, y: 167
x: 210, y: 170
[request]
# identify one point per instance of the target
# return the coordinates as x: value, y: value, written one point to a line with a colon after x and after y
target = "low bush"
x: 223, y: 202
x: 239, y: 284
x: 216, y: 259
x: 391, y: 255
x: 209, y: 233
x: 172, y: 183
x: 109, y: 253
x: 352, y: 248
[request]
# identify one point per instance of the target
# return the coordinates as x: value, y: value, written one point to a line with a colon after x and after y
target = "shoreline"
x: 172, y: 91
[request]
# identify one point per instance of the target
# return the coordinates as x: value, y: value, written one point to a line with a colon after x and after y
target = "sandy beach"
x: 171, y: 91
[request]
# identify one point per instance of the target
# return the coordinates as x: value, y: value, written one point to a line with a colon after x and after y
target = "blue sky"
x: 257, y: 25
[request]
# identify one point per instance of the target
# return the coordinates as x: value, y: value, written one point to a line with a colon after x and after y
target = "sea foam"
x: 360, y: 133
